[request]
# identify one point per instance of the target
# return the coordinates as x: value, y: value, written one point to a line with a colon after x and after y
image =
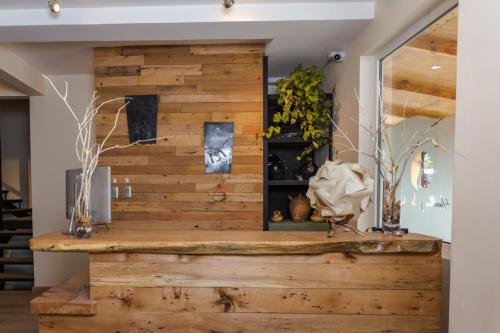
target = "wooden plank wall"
x: 195, y: 84
x: 334, y: 292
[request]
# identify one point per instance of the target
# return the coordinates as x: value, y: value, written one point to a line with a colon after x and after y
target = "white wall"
x: 53, y: 131
x: 15, y: 132
x: 475, y: 268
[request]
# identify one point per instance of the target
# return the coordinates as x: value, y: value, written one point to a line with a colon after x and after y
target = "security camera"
x: 337, y: 56
x: 228, y: 3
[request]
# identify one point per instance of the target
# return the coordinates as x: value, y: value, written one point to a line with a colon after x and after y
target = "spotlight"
x: 435, y: 67
x: 228, y: 3
x: 54, y: 6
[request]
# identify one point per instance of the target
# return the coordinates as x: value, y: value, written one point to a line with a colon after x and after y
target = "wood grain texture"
x: 264, y: 275
x: 240, y: 323
x: 233, y: 242
x: 268, y: 300
x: 68, y: 298
x: 391, y: 290
x: 194, y: 84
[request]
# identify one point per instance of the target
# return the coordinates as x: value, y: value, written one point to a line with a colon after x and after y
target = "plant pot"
x: 299, y: 207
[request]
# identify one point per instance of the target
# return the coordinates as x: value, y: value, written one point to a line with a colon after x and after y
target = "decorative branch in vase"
x: 391, y: 163
x: 88, y: 152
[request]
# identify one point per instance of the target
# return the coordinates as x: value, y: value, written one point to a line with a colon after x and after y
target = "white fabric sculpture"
x: 341, y: 192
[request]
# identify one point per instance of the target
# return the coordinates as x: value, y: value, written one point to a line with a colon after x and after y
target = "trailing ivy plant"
x: 305, y: 106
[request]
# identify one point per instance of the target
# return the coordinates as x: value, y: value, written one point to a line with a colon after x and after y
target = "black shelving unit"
x: 276, y: 191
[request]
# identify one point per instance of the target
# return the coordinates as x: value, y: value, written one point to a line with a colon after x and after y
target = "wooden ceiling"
x: 420, y: 77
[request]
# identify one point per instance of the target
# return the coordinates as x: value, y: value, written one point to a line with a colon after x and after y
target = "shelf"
x: 289, y: 182
x: 276, y: 140
x: 288, y: 225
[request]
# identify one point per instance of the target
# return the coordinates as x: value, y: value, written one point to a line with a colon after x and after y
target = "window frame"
x: 379, y: 57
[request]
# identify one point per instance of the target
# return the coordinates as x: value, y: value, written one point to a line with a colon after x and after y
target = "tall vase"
x: 391, y: 214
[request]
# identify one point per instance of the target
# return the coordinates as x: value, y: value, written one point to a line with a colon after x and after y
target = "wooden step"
x: 12, y: 201
x: 18, y: 223
x: 16, y: 232
x: 14, y: 246
x: 68, y: 298
x: 24, y: 260
x: 18, y: 212
x: 16, y: 277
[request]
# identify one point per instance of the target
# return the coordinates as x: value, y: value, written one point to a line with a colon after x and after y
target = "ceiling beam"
x: 435, y: 44
x: 408, y: 104
x: 20, y: 75
x: 8, y: 92
x: 410, y: 69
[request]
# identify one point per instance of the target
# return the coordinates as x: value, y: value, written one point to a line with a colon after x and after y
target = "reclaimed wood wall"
x: 195, y: 84
x: 333, y: 292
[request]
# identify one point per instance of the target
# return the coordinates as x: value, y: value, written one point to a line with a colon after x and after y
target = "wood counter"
x: 234, y: 242
x: 248, y: 282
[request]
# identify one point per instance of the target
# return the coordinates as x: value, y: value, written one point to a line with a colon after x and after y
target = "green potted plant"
x: 305, y: 107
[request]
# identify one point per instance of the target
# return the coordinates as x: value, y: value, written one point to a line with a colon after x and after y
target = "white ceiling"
x: 42, y: 4
x: 295, y: 31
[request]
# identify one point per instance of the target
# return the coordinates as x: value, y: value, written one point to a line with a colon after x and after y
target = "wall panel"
x: 195, y: 84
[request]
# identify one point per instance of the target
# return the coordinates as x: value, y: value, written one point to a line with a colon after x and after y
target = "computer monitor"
x: 100, y: 196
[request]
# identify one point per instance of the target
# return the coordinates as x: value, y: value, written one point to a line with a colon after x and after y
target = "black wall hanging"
x: 142, y: 118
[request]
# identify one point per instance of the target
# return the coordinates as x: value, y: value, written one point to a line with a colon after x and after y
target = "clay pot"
x: 277, y: 216
x: 300, y: 207
x: 317, y: 218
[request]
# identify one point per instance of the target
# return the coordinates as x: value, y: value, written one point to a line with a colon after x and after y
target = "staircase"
x: 16, y: 258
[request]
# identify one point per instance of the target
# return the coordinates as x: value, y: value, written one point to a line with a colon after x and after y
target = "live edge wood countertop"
x: 234, y: 242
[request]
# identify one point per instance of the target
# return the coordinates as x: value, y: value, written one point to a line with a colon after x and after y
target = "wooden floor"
x: 15, y: 314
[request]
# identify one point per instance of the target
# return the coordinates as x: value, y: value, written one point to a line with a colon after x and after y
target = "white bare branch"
x: 86, y: 150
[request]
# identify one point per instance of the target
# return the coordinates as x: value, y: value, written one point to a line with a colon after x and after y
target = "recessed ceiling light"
x: 228, y: 3
x: 434, y: 67
x: 54, y: 6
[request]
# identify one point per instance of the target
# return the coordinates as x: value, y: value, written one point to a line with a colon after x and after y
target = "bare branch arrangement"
x: 391, y: 163
x: 87, y: 150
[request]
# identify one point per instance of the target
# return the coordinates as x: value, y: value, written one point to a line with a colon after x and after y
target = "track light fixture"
x: 228, y: 3
x: 54, y: 6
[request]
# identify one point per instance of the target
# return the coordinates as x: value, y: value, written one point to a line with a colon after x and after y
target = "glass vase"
x: 84, y: 228
x: 391, y: 214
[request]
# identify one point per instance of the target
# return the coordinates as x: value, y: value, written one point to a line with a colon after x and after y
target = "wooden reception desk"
x: 245, y: 282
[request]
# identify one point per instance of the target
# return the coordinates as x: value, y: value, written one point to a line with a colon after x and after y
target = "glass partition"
x: 418, y: 101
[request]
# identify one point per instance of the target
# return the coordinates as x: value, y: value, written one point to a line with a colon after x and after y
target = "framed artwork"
x: 219, y: 138
x: 142, y: 113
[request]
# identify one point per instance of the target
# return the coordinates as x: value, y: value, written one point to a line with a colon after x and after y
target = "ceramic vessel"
x: 317, y: 218
x: 277, y: 216
x: 300, y: 207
